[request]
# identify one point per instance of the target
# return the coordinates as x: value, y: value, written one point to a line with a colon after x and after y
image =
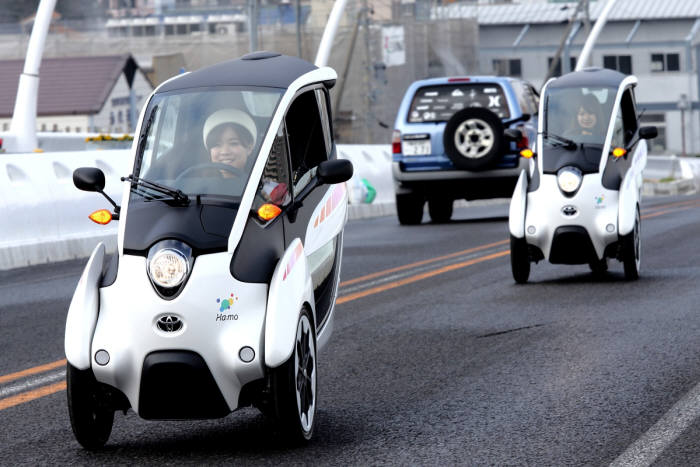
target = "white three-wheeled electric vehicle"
x: 579, y: 201
x: 223, y: 286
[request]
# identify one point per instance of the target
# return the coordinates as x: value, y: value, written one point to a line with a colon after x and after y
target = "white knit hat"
x: 229, y: 116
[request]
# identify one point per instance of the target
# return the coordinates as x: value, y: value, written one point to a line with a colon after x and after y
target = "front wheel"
x: 631, y: 250
x: 293, y: 385
x: 519, y: 259
x: 90, y: 418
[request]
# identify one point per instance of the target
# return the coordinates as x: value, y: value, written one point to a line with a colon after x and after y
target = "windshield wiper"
x: 177, y: 195
x: 566, y: 142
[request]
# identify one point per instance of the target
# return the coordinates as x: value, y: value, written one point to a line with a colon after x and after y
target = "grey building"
x: 658, y: 41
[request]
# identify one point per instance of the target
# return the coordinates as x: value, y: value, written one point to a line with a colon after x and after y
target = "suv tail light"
x: 523, y: 142
x: 396, y: 142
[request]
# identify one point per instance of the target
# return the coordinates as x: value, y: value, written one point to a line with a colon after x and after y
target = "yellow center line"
x: 32, y: 371
x: 418, y: 277
x: 31, y: 395
x: 420, y: 263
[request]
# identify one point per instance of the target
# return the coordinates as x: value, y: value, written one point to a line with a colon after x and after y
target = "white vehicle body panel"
x: 290, y: 290
x: 126, y: 326
x: 83, y: 311
x: 518, y: 206
x: 544, y: 212
x: 631, y: 189
x: 328, y: 218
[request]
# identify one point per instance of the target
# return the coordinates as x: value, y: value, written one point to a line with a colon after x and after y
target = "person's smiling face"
x: 585, y: 119
x: 229, y: 149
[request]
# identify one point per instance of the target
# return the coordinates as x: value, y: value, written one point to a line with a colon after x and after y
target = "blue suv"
x: 450, y: 142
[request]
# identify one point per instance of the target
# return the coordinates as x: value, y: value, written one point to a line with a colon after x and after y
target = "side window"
x: 322, y: 98
x: 307, y: 145
x: 274, y: 184
x: 629, y: 115
x: 534, y: 99
x: 520, y: 92
x: 618, y: 137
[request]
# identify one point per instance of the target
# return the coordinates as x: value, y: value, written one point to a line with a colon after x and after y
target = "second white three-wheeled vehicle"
x: 230, y: 240
x: 579, y: 201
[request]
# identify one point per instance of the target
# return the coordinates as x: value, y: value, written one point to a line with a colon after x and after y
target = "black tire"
x: 294, y: 388
x: 473, y: 138
x: 90, y: 419
x: 519, y: 260
x: 632, y: 249
x: 440, y: 210
x: 599, y: 267
x: 409, y: 208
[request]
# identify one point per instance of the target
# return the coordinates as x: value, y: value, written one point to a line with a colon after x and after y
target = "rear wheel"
x: 440, y: 210
x: 90, y: 417
x: 631, y: 250
x: 409, y: 208
x: 519, y: 259
x: 293, y: 385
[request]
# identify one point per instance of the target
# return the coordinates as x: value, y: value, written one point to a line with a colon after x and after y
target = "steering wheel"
x: 210, y: 166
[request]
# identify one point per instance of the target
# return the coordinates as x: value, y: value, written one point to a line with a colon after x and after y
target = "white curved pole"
x: 583, y: 60
x: 23, y: 127
x: 324, y: 48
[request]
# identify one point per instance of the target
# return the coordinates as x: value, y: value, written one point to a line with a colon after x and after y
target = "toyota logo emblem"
x: 169, y: 323
x: 569, y: 210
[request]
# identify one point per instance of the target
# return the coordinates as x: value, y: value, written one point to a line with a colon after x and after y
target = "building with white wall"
x: 80, y: 94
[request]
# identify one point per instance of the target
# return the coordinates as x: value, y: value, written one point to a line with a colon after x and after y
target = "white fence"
x: 44, y: 218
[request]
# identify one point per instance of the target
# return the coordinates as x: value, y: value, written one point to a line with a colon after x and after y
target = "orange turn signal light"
x: 619, y: 152
x: 102, y: 217
x: 527, y: 153
x: 268, y: 211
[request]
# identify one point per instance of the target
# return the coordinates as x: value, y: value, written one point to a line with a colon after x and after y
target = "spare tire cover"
x: 473, y: 138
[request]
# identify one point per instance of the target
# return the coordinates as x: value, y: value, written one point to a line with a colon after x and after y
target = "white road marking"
x: 664, y: 433
x: 32, y: 383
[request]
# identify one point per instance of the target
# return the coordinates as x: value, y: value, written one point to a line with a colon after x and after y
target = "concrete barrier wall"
x: 44, y: 218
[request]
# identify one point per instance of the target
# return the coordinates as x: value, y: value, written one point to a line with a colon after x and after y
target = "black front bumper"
x: 178, y: 385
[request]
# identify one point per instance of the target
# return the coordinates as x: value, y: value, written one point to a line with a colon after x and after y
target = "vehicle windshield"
x: 579, y: 114
x: 203, y: 142
x: 575, y: 126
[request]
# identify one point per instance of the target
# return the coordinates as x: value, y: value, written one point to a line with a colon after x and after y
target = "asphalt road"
x: 438, y: 357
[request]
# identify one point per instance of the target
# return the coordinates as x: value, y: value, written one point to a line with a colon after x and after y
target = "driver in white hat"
x: 229, y: 136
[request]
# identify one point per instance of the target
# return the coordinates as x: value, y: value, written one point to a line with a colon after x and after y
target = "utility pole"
x: 253, y: 24
x: 564, y: 38
x: 348, y: 62
x: 368, y: 73
x: 298, y: 15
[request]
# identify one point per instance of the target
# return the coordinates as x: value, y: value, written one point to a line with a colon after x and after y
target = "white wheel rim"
x: 474, y: 138
x: 305, y: 371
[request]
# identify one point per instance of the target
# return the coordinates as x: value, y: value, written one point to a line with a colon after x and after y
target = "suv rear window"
x: 439, y: 103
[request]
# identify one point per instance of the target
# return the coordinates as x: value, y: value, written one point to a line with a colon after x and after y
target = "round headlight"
x: 168, y: 268
x: 569, y: 179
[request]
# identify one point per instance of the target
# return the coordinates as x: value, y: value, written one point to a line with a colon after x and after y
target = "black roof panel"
x: 259, y: 69
x: 589, y: 77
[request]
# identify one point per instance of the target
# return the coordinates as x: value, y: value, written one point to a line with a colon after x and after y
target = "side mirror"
x: 648, y: 132
x: 89, y: 179
x: 512, y: 134
x: 93, y: 179
x: 334, y: 171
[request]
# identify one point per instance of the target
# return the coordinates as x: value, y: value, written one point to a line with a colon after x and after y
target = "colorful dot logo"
x: 226, y: 303
x: 599, y: 199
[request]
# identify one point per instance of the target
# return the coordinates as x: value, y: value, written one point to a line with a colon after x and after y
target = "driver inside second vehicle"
x: 229, y: 136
